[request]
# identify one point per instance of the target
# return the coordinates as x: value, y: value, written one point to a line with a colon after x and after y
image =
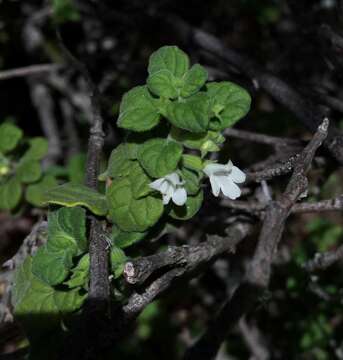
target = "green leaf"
x: 76, y: 168
x: 123, y: 239
x: 10, y: 135
x: 10, y: 194
x: 51, y: 267
x: 38, y: 303
x: 57, y: 171
x: 139, y: 181
x: 188, y: 210
x: 69, y: 301
x: 138, y: 110
x: 193, y: 80
x: 131, y: 148
x: 163, y: 83
x: 71, y: 195
x: 192, y: 162
x: 30, y: 295
x: 159, y: 157
x: 41, y: 310
x: 191, y: 114
x: 169, y: 58
x: 67, y: 230
x: 228, y: 103
x: 128, y: 213
x: 191, y: 179
x: 205, y: 142
x: 120, y: 165
x: 37, y: 150
x: 119, y: 162
x: 118, y: 259
x: 28, y: 171
x: 34, y: 193
x: 169, y: 74
x: 80, y: 274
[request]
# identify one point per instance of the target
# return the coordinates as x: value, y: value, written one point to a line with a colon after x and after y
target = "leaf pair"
x: 205, y: 142
x: 170, y: 76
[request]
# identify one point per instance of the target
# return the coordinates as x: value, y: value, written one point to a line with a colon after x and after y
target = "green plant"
x: 149, y: 179
x: 22, y: 176
x: 20, y: 165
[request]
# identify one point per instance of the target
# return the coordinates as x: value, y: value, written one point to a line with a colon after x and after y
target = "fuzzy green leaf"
x: 192, y: 162
x: 191, y: 180
x: 32, y: 297
x: 34, y: 193
x: 128, y: 213
x: 76, y: 168
x: 205, y: 142
x: 193, y: 80
x: 10, y: 135
x: 187, y: 211
x: 124, y: 239
x: 80, y: 274
x: 163, y: 83
x: 119, y: 162
x: 51, y: 267
x: 37, y: 150
x: 29, y: 171
x: 69, y: 301
x: 67, y: 230
x: 138, y: 110
x: 71, y: 195
x: 169, y: 58
x: 191, y: 114
x: 120, y: 165
x: 10, y: 194
x: 40, y: 310
x: 139, y: 181
x: 159, y: 157
x: 228, y: 103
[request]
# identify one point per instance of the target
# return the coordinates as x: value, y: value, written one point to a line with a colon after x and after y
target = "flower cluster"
x: 223, y: 177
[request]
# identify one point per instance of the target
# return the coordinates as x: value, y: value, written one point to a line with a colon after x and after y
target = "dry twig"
x: 28, y: 71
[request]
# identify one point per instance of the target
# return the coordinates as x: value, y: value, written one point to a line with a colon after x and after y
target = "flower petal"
x: 214, y: 185
x: 237, y: 175
x: 166, y: 198
x: 229, y: 166
x: 228, y: 187
x: 173, y: 178
x: 180, y: 196
x: 164, y: 187
x: 156, y: 185
x: 214, y: 168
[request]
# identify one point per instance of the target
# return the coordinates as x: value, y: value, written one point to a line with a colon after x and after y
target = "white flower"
x: 171, y: 187
x: 223, y: 177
